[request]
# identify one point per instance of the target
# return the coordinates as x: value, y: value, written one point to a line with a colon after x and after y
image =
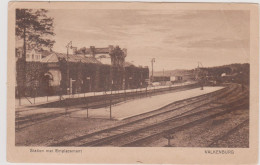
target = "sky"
x: 177, y: 39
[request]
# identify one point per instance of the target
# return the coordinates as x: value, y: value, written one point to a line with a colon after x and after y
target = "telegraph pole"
x: 201, y: 75
x: 152, y: 61
x: 163, y: 76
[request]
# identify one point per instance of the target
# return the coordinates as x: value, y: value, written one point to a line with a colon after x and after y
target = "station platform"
x: 30, y: 101
x: 134, y: 107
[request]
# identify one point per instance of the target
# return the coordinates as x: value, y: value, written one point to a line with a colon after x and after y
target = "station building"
x: 84, y: 70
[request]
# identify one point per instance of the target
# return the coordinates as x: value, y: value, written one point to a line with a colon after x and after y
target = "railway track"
x: 186, y: 121
x: 198, y: 100
x: 156, y: 123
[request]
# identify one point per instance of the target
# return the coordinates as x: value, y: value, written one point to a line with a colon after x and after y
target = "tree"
x: 117, y: 57
x: 34, y: 27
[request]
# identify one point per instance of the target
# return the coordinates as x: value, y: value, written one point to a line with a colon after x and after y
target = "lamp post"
x: 69, y: 45
x: 89, y: 88
x: 130, y: 82
x: 163, y: 77
x: 111, y: 101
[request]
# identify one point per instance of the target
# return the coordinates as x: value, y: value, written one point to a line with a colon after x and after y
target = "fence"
x: 140, y: 91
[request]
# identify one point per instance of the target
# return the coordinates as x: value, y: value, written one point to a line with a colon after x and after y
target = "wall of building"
x: 52, y: 79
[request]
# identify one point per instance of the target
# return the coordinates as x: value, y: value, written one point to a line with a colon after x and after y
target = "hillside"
x: 177, y: 72
x: 215, y: 71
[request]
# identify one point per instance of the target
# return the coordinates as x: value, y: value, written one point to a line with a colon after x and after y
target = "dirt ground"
x: 59, y: 129
x: 216, y: 130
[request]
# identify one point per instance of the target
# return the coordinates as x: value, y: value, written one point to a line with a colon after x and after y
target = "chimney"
x: 74, y: 50
x: 110, y: 49
x: 92, y: 51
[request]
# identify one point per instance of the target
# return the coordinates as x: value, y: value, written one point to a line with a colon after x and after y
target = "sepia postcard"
x: 133, y: 82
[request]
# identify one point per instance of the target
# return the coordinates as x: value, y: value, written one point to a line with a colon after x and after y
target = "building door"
x: 46, y: 87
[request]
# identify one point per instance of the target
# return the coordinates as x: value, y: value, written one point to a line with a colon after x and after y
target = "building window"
x: 33, y: 57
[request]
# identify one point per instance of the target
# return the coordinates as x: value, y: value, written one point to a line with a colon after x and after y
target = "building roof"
x: 56, y: 57
x: 128, y: 64
x: 20, y: 49
x: 45, y: 53
x: 31, y: 50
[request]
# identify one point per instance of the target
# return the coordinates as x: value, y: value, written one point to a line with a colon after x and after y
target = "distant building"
x: 18, y: 53
x: 175, y: 78
x: 188, y: 77
x: 161, y: 78
x: 32, y: 55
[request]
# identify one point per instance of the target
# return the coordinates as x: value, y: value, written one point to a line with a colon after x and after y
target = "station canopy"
x: 56, y: 57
